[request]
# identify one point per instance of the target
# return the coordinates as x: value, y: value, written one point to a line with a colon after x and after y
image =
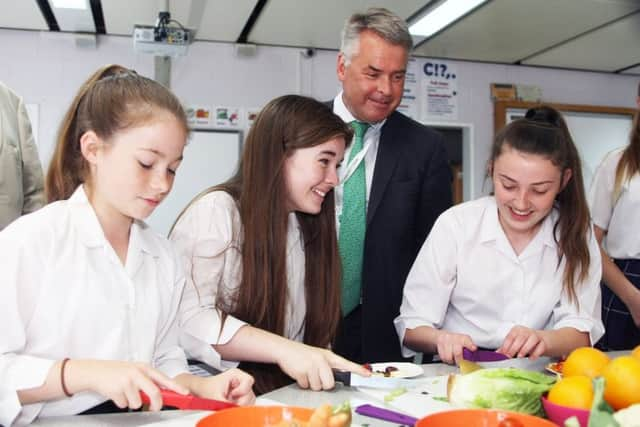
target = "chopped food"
x: 395, y: 393
x: 555, y: 367
x: 323, y: 416
x: 466, y: 367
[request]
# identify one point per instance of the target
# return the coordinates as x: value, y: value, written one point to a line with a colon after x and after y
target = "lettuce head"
x: 509, y: 389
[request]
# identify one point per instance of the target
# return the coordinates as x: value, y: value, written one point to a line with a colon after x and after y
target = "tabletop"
x: 289, y: 395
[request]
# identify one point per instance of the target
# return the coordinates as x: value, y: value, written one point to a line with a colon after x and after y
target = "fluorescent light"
x: 70, y: 4
x: 441, y: 16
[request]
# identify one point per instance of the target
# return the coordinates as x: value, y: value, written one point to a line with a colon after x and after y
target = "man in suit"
x: 405, y: 183
x: 21, y: 181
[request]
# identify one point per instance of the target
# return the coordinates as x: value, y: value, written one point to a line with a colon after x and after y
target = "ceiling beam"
x: 47, y: 14
x: 98, y: 16
x: 257, y: 10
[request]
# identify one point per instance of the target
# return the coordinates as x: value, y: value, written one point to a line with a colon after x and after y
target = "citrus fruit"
x: 636, y: 352
x: 574, y: 392
x: 622, y: 382
x: 586, y: 361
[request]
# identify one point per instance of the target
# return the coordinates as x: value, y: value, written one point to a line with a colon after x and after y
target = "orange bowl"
x: 559, y: 413
x: 482, y: 418
x: 254, y: 416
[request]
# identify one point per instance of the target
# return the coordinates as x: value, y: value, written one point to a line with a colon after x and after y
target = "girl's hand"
x: 522, y: 341
x: 233, y: 385
x: 450, y: 346
x: 312, y: 367
x: 121, y: 382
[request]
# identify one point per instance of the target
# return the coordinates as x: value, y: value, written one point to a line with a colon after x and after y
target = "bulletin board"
x: 596, y: 130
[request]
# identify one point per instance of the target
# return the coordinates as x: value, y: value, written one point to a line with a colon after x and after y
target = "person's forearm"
x: 422, y: 338
x: 51, y: 389
x: 253, y: 344
x: 561, y: 342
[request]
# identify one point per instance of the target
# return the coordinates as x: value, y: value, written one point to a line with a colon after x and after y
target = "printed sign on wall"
x: 439, y: 90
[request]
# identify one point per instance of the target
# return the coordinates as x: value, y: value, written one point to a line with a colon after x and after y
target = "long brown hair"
x: 629, y: 163
x: 285, y: 124
x: 112, y: 99
x: 544, y: 132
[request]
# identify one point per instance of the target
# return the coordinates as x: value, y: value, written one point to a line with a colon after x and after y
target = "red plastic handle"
x: 188, y: 401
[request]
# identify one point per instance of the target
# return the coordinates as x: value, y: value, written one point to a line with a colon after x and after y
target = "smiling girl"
x: 517, y: 272
x: 90, y: 293
x: 260, y: 251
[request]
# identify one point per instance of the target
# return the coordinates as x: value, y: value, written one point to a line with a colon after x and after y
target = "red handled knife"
x: 188, y: 401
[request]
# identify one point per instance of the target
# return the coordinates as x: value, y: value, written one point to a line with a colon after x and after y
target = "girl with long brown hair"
x: 261, y: 256
x: 518, y: 271
x: 90, y: 293
x: 615, y: 208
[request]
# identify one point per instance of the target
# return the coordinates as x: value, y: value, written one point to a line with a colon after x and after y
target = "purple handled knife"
x: 386, y: 414
x: 482, y: 356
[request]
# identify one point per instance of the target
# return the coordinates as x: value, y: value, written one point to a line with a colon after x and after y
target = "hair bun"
x: 544, y: 114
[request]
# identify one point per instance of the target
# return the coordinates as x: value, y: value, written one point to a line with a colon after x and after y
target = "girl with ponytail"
x: 517, y: 271
x: 90, y: 293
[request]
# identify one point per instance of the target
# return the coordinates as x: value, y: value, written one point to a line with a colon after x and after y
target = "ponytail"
x: 112, y: 99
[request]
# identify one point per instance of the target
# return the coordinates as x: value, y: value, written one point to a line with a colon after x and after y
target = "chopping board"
x: 422, y: 399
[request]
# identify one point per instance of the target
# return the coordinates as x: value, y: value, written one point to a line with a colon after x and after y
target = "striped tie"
x: 353, y: 225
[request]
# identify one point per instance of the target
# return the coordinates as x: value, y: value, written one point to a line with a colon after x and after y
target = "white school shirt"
x: 65, y: 293
x: 209, y: 237
x: 621, y: 217
x: 468, y: 279
x: 371, y: 139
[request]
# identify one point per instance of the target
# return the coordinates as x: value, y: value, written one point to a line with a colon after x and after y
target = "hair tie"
x: 120, y: 74
x: 544, y: 115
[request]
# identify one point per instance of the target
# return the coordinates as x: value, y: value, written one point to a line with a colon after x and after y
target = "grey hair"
x: 381, y: 21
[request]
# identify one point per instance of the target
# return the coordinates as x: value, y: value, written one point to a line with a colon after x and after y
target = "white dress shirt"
x: 468, y: 279
x: 621, y: 217
x: 65, y: 293
x: 209, y: 237
x: 370, y: 143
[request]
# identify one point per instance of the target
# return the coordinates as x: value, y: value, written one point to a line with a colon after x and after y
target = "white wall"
x: 47, y: 68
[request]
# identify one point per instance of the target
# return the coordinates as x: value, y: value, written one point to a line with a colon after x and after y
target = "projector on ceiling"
x: 161, y: 40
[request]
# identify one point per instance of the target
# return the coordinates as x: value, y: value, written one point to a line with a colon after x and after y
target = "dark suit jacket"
x: 411, y: 187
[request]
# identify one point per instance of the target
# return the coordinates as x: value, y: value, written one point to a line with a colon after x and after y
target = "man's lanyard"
x: 355, y: 161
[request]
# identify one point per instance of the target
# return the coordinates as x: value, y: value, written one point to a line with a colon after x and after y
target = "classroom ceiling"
x: 596, y: 35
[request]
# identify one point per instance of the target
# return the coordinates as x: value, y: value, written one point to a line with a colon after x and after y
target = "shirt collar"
x: 491, y: 228
x: 343, y: 112
x: 91, y: 233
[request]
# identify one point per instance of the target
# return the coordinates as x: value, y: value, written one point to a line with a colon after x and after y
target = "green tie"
x: 353, y: 225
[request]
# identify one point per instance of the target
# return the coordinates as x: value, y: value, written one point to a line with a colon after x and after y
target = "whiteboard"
x: 595, y: 135
x: 210, y: 158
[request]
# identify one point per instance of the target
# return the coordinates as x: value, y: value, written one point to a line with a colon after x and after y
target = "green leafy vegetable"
x: 500, y: 388
x: 601, y: 414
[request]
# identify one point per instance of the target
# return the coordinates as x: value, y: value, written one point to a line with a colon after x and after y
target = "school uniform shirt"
x: 209, y: 239
x: 65, y: 293
x: 618, y: 217
x: 468, y: 279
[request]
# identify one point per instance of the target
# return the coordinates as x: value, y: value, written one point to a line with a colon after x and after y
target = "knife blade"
x: 188, y: 401
x: 353, y: 380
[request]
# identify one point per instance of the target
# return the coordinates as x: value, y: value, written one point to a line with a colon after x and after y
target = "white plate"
x: 405, y: 369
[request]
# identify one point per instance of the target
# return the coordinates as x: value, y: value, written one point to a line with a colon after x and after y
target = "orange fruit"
x: 622, y: 382
x: 575, y: 392
x: 636, y: 352
x: 587, y: 361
